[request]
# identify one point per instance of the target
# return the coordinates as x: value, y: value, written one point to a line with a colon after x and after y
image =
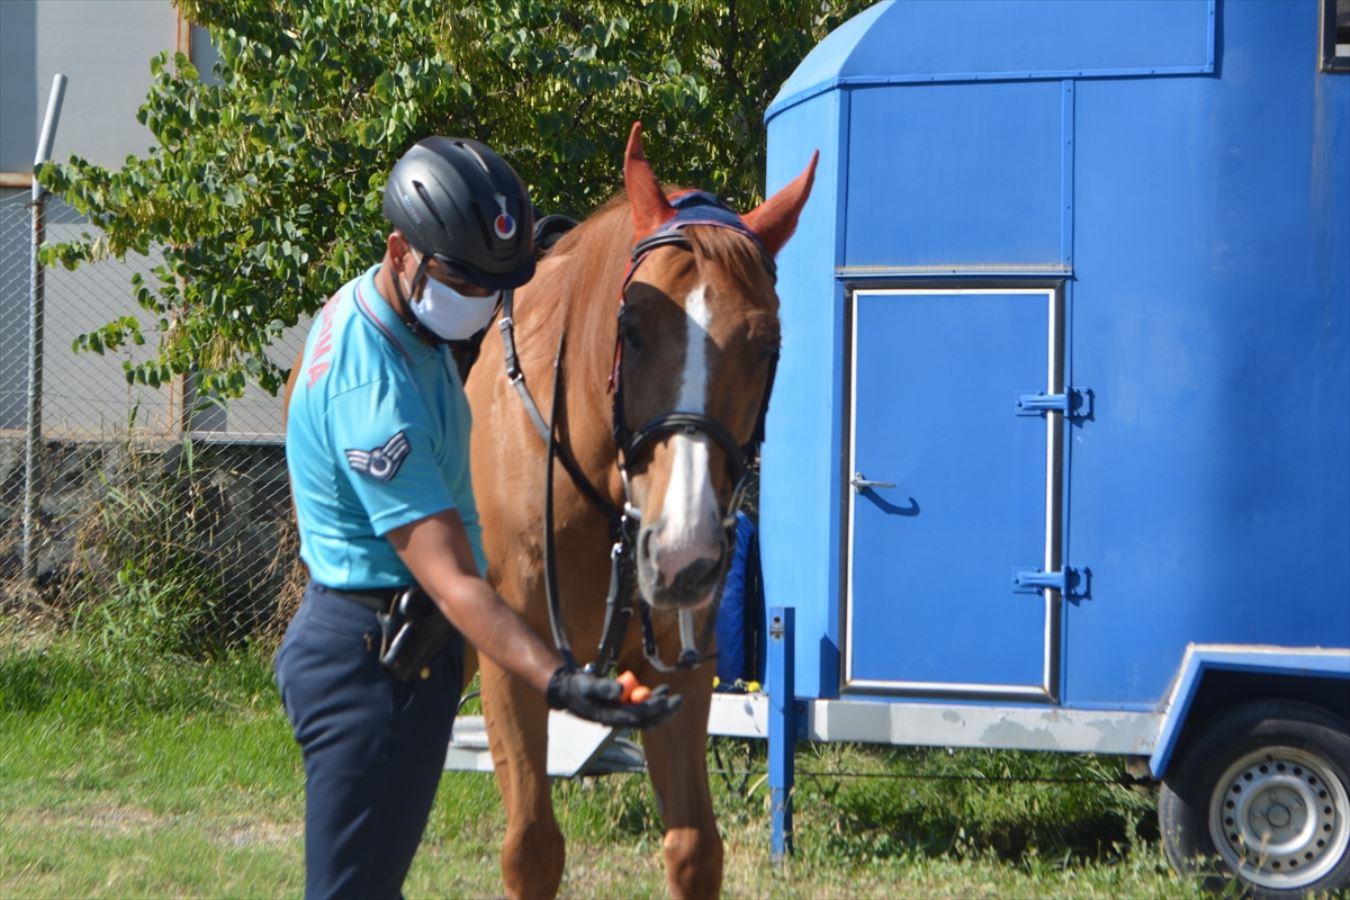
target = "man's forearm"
x: 495, y: 630
x: 436, y: 551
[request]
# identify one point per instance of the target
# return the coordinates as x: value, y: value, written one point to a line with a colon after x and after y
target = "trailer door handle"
x: 859, y: 483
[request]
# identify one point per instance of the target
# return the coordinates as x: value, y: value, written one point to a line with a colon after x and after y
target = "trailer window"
x: 1336, y: 35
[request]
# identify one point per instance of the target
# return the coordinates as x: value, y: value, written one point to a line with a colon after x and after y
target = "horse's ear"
x: 650, y: 207
x: 774, y: 220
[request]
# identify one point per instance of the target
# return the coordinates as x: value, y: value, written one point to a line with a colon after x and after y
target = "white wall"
x: 104, y: 47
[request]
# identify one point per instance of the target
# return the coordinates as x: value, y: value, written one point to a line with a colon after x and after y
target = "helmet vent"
x: 431, y: 207
x: 474, y: 153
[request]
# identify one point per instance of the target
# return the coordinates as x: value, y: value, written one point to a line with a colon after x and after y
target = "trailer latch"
x: 1069, y: 582
x: 1075, y: 403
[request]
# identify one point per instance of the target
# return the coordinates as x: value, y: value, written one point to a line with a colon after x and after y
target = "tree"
x: 559, y: 86
x: 263, y: 192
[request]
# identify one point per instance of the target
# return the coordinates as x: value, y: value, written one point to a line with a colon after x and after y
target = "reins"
x: 691, y: 208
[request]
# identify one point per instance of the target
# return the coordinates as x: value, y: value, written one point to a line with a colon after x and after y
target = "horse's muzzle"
x: 680, y: 577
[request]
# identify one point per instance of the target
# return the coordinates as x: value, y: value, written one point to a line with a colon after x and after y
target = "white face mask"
x: 450, y: 315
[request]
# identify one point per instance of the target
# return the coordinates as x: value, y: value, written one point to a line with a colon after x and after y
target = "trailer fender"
x: 1212, y: 676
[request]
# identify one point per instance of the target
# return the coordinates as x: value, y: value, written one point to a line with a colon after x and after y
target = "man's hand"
x: 598, y: 699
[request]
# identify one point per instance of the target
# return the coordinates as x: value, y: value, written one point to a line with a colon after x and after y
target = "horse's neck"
x: 592, y: 300
x: 578, y: 290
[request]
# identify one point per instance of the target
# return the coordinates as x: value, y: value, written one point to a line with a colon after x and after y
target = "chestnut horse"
x: 698, y: 337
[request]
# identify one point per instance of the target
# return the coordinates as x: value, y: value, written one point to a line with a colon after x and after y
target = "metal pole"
x: 36, y: 301
x: 782, y: 728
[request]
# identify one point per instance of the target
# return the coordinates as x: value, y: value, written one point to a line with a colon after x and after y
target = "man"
x: 377, y: 445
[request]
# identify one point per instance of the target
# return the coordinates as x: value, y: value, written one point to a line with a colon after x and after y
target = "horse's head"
x: 698, y: 342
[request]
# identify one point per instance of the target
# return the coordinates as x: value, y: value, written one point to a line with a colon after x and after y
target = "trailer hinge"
x: 1069, y: 582
x: 1076, y: 403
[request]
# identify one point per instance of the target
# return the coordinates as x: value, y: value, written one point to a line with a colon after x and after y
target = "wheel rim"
x: 1280, y: 818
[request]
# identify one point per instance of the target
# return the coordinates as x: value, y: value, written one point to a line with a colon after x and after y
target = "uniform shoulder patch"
x: 381, y: 463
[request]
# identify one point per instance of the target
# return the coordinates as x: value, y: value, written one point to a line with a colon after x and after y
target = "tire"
x: 1263, y: 796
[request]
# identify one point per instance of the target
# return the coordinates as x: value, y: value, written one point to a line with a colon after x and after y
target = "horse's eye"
x: 630, y: 336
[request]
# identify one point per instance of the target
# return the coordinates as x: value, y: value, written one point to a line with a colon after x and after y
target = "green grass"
x: 128, y: 775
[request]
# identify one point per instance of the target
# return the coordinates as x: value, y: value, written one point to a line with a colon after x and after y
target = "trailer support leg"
x: 782, y: 728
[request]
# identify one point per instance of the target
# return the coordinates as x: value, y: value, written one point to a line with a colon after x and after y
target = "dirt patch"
x: 123, y: 820
x: 106, y: 819
x: 263, y: 834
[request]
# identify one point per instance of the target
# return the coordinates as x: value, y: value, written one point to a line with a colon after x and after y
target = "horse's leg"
x: 676, y: 758
x: 517, y: 727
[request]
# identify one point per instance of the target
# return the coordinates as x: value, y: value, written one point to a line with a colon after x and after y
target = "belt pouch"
x: 415, y: 630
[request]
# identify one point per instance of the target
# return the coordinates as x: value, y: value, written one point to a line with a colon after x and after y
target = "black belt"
x: 374, y: 599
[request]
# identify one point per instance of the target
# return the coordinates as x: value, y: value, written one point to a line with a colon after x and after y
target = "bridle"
x: 691, y: 208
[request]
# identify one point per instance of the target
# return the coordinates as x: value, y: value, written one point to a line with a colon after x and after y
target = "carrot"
x: 640, y: 694
x: 630, y: 684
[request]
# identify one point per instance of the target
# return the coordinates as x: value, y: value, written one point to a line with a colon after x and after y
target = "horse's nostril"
x: 698, y: 572
x: 644, y: 547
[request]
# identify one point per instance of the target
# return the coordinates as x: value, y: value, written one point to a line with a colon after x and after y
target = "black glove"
x: 597, y: 699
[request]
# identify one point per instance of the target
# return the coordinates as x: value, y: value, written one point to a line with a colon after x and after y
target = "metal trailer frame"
x: 1150, y: 736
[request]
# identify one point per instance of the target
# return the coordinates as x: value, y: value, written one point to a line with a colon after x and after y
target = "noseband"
x: 691, y: 208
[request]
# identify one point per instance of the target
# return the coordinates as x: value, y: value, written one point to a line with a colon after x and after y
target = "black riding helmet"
x: 456, y: 200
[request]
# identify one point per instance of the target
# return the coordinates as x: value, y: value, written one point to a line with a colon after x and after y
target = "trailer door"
x: 952, y: 489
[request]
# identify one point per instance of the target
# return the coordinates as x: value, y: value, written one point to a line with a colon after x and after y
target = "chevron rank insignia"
x: 381, y: 463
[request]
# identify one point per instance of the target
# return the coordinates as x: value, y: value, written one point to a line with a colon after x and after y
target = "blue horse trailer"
x: 1059, y: 450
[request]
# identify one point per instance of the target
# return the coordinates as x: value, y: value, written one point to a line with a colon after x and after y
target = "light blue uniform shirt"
x: 377, y: 436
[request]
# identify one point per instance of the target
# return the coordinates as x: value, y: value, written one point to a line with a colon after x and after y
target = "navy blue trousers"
x: 374, y: 747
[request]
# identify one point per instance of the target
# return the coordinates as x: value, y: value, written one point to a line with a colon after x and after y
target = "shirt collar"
x: 375, y: 308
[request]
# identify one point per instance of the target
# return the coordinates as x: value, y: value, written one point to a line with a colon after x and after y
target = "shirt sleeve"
x: 387, y: 453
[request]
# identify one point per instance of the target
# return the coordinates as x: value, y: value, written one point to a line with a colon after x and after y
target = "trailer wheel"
x: 1264, y: 795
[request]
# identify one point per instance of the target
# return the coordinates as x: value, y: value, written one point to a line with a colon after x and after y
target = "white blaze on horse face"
x: 694, y: 381
x: 690, y: 529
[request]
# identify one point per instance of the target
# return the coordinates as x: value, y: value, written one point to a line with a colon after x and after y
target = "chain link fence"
x: 158, y: 501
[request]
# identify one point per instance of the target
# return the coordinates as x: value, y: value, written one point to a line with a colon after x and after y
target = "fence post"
x: 36, y: 301
x: 782, y: 728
